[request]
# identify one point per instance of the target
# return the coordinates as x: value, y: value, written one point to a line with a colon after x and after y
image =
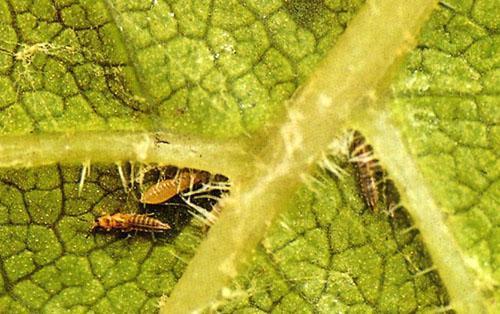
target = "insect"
x: 367, y: 170
x: 166, y: 189
x: 129, y: 222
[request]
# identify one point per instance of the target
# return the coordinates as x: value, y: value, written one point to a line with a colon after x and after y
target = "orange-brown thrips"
x: 166, y: 189
x: 367, y: 169
x: 129, y: 222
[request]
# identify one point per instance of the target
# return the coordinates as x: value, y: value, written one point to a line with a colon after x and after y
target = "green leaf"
x: 329, y: 253
x: 51, y: 263
x: 447, y: 103
x: 214, y: 85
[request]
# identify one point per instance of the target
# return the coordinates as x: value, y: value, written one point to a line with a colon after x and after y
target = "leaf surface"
x: 211, y: 70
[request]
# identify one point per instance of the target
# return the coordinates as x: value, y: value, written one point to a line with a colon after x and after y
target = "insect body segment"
x: 129, y: 222
x: 367, y: 168
x: 166, y: 189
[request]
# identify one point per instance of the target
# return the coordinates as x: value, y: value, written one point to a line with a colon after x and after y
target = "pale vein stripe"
x: 428, y: 218
x: 109, y: 147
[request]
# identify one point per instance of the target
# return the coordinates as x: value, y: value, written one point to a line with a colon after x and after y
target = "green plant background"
x: 225, y: 69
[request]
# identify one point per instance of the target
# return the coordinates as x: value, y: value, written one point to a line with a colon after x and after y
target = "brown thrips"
x: 367, y: 169
x: 166, y: 189
x: 129, y: 222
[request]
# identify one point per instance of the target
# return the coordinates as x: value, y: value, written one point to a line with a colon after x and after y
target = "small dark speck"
x: 158, y: 140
